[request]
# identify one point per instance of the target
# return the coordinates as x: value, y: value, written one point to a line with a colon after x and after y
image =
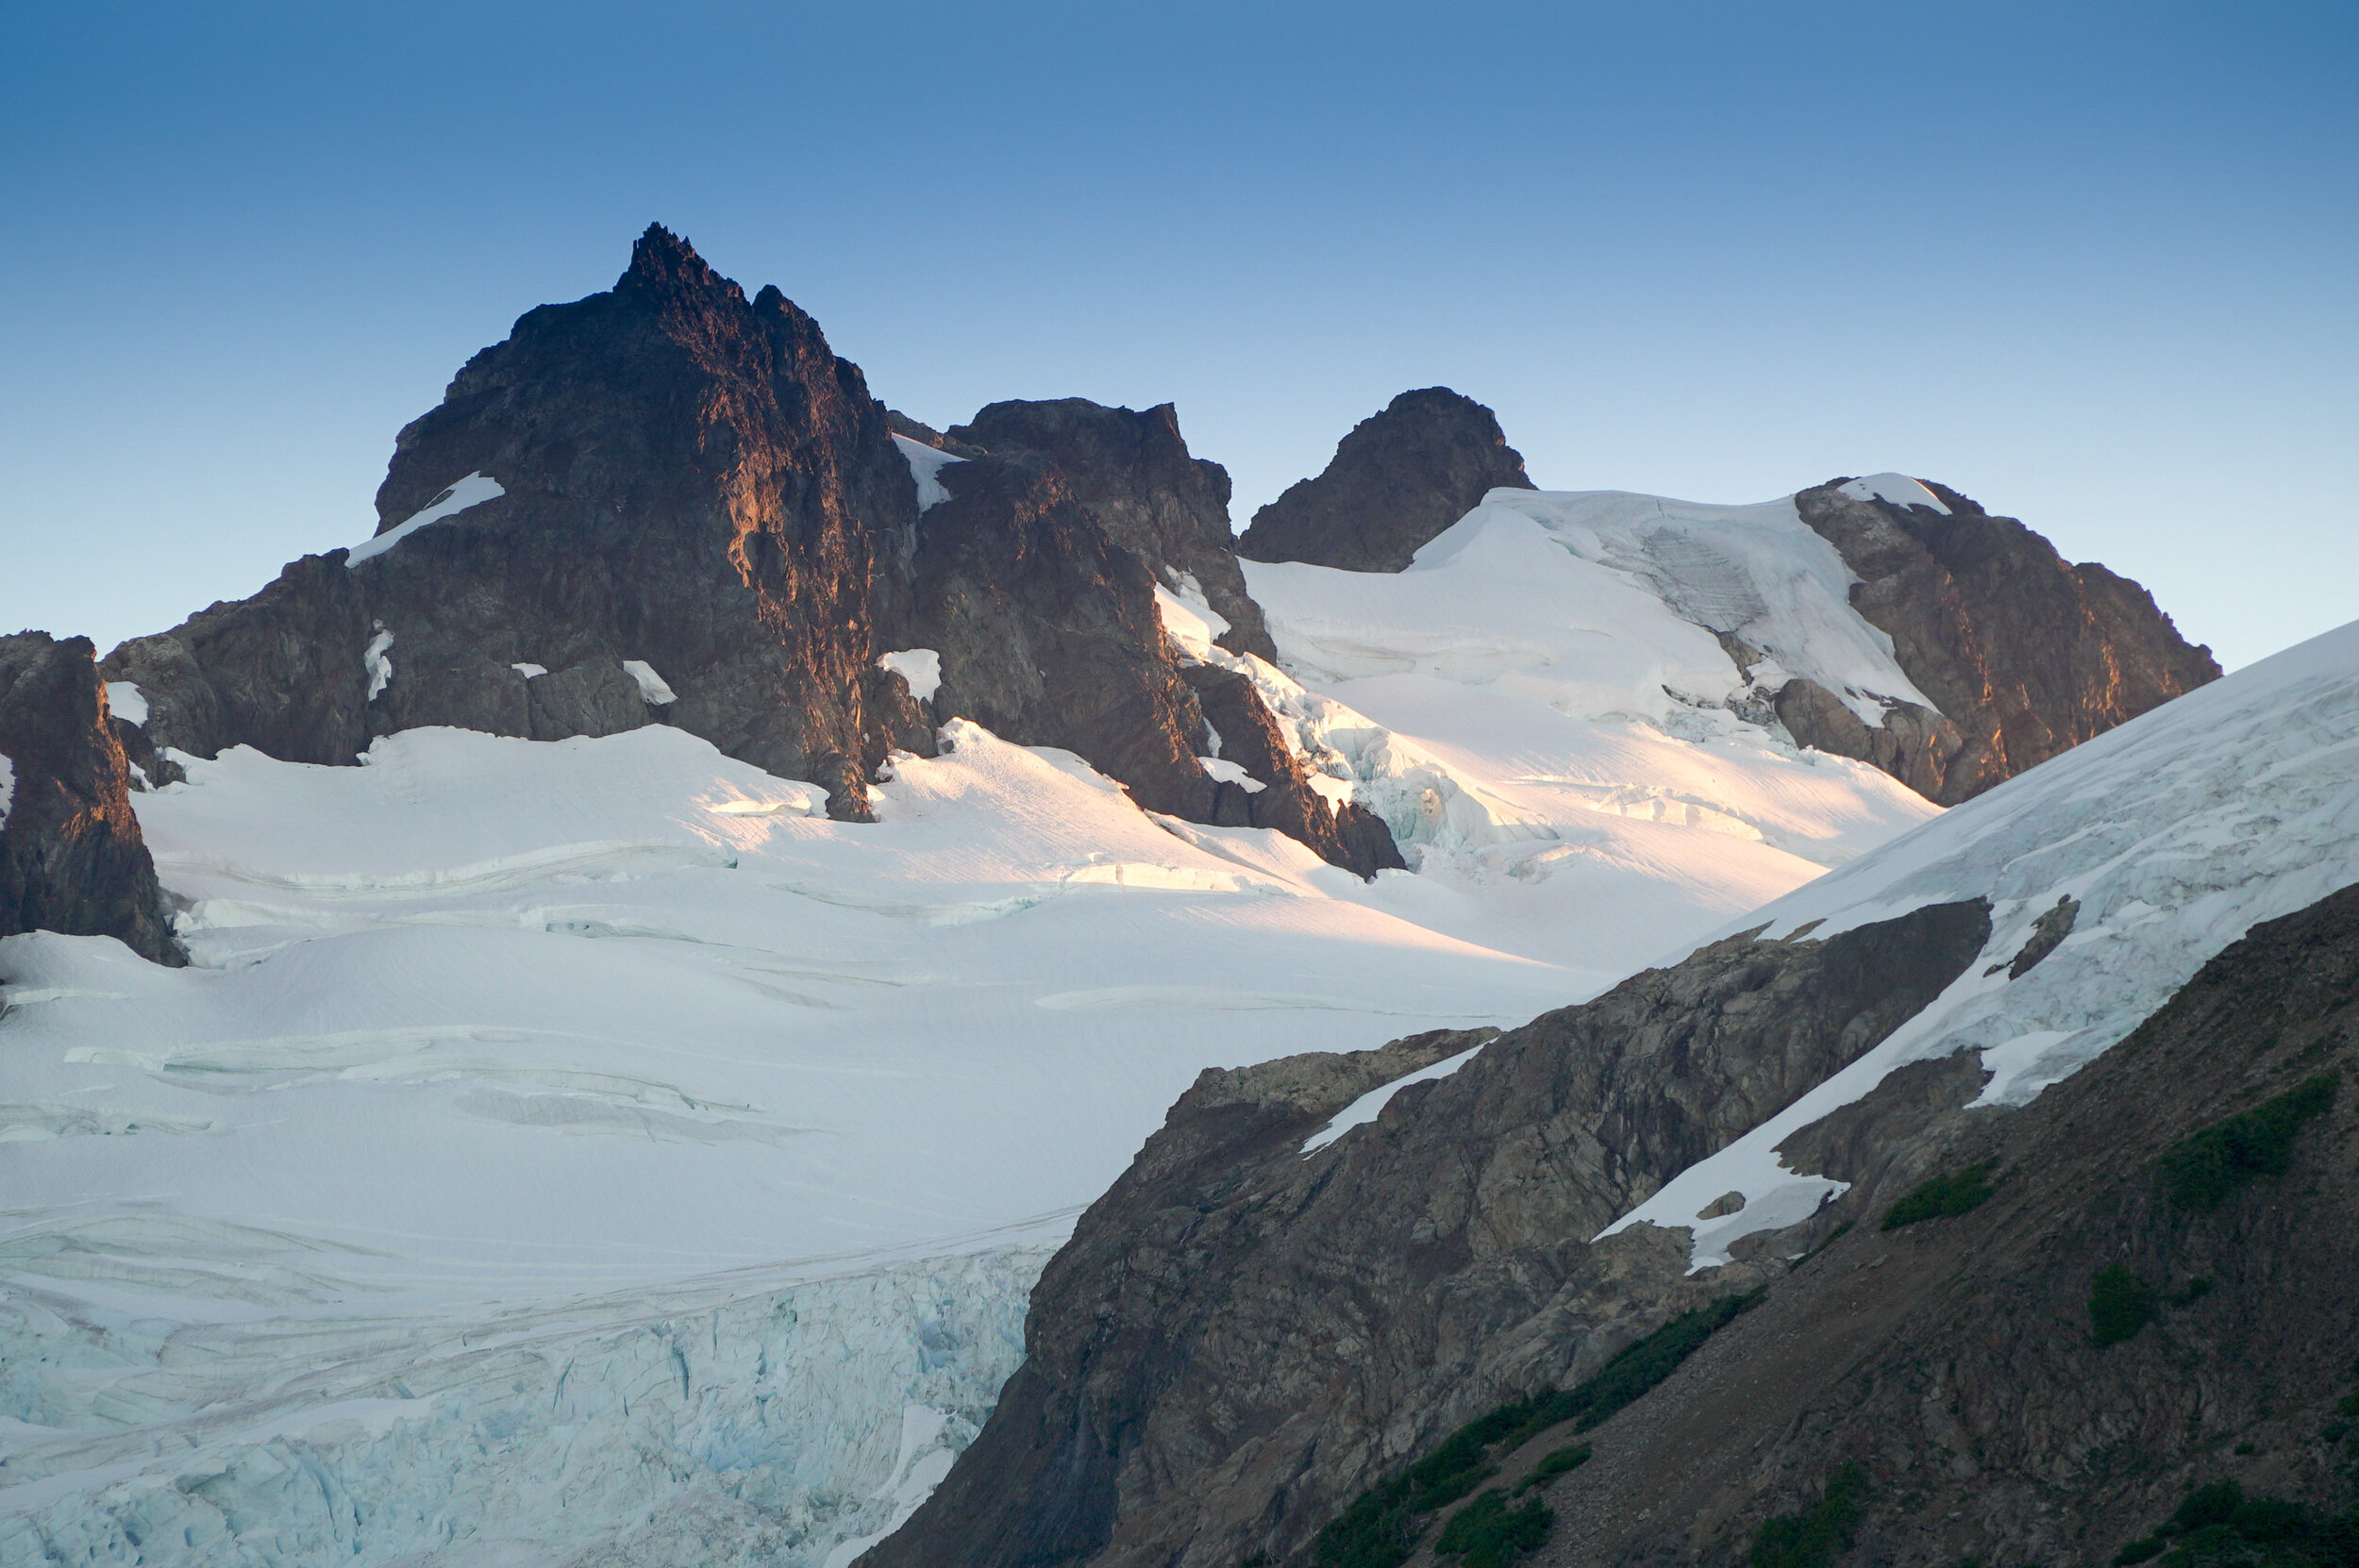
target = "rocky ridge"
x: 1952, y: 1366
x: 670, y: 504
x: 72, y: 859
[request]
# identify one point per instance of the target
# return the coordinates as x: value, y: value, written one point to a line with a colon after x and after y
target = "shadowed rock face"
x: 1347, y: 835
x: 1049, y: 632
x: 1239, y: 1339
x: 1397, y: 481
x: 2025, y: 654
x: 1134, y: 475
x: 72, y: 859
x: 689, y: 479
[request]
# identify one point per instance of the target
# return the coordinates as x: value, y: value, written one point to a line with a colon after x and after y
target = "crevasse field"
x: 588, y: 1153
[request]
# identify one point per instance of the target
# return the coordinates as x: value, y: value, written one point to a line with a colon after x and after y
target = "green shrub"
x: 1554, y: 1465
x: 2218, y: 1525
x: 1380, y: 1527
x: 2215, y: 1503
x: 1643, y: 1366
x: 1813, y: 1537
x: 2202, y: 1169
x: 1944, y: 1195
x: 2119, y: 1304
x: 1489, y: 1534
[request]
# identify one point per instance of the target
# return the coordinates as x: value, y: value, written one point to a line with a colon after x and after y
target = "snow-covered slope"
x: 2173, y: 835
x: 488, y: 1026
x: 1542, y: 708
x: 588, y: 1152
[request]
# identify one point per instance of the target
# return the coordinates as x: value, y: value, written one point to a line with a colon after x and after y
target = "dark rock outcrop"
x: 1913, y: 743
x: 1045, y: 616
x: 72, y: 859
x: 1134, y: 473
x: 689, y: 478
x: 1345, y: 834
x: 1396, y: 481
x: 1238, y: 1338
x: 1049, y: 632
x: 2025, y: 654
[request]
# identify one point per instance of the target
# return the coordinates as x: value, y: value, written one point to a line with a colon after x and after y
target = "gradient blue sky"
x: 2092, y: 264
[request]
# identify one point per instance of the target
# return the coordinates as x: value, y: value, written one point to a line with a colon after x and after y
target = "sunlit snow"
x: 564, y: 1146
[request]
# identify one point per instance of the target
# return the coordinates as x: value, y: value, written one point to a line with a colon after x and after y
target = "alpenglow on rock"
x: 72, y: 859
x: 669, y: 504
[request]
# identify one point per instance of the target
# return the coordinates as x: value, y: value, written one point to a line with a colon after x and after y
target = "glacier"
x: 587, y: 1152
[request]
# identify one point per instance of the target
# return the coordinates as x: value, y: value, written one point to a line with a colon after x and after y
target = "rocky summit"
x: 1398, y: 479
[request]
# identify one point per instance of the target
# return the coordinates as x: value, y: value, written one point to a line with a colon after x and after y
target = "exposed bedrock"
x: 1049, y: 632
x: 688, y: 479
x: 1396, y: 480
x: 668, y: 503
x: 1239, y: 1339
x: 2025, y: 654
x: 1134, y: 473
x: 1049, y: 635
x: 72, y: 859
x: 1344, y: 833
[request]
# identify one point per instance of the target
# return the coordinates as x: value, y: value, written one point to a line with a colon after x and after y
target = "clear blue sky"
x: 2092, y: 264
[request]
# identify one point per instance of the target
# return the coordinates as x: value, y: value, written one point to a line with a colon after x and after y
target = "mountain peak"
x: 663, y: 262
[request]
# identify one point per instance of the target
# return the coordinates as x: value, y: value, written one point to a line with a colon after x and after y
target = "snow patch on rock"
x: 651, y: 686
x: 125, y: 701
x: 1899, y: 489
x: 920, y: 668
x: 926, y: 465
x: 376, y: 660
x: 1368, y: 1107
x: 472, y: 490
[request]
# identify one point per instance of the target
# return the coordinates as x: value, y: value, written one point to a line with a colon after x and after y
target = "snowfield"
x: 2174, y: 834
x: 588, y: 1153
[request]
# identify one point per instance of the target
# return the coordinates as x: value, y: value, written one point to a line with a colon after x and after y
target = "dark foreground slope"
x: 2143, y: 1283
x: 1955, y: 1361
x: 1238, y: 1338
x: 72, y: 859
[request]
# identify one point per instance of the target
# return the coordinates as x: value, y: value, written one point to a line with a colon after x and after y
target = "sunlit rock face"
x: 664, y: 475
x: 2024, y: 653
x: 72, y: 859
